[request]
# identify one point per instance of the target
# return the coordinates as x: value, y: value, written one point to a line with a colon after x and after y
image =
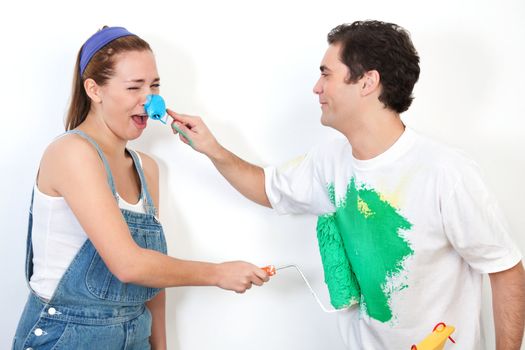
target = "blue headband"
x: 98, y: 41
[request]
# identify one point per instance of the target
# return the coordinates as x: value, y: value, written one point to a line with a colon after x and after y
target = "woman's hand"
x: 239, y: 276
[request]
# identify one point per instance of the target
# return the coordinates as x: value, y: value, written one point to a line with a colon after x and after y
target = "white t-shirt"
x: 420, y: 199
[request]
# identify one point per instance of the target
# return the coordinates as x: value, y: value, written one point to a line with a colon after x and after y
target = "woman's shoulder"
x: 66, y: 158
x: 69, y: 148
x: 70, y: 154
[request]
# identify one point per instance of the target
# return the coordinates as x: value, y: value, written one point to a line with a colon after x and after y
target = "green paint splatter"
x: 369, y: 230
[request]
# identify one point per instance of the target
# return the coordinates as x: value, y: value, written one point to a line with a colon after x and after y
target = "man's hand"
x: 192, y: 131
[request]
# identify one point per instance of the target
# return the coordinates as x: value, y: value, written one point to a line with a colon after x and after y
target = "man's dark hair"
x: 385, y: 47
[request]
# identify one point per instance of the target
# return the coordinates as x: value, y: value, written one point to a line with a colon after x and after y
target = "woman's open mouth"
x: 141, y: 120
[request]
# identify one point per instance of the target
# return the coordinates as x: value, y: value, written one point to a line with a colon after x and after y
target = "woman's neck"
x: 98, y: 130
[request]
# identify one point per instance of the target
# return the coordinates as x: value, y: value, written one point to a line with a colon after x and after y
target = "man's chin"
x: 325, y: 120
x: 328, y: 123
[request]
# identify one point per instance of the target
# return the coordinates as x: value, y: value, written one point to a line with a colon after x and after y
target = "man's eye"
x: 133, y: 88
x: 155, y: 85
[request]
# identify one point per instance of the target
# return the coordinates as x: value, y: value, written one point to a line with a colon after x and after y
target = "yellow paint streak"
x: 363, y: 207
x: 292, y: 163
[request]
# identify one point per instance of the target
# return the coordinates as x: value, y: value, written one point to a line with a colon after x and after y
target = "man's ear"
x: 370, y: 82
x: 92, y: 90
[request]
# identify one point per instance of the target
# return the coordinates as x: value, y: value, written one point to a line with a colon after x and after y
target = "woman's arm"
x: 157, y: 307
x: 71, y: 168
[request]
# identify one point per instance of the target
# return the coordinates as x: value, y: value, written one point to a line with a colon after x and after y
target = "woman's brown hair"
x: 100, y: 68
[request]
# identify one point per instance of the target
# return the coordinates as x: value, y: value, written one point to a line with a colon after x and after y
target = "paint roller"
x: 271, y: 270
x: 155, y: 107
x: 340, y: 279
x: 341, y: 282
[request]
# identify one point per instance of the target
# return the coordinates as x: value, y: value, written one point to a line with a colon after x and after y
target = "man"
x: 417, y: 223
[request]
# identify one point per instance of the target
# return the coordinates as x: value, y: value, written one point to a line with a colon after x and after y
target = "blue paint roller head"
x: 156, y: 110
x: 155, y: 107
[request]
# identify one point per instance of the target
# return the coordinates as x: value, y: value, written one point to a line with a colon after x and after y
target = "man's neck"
x: 374, y: 134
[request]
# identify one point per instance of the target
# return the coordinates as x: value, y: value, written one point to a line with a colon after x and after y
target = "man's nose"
x: 318, y: 89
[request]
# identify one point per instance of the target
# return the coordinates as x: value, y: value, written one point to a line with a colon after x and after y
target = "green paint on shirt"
x: 369, y: 229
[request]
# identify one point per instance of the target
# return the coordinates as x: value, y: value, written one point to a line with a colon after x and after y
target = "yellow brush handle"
x: 437, y: 339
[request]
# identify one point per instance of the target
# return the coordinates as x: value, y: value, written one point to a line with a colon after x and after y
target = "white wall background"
x: 248, y: 68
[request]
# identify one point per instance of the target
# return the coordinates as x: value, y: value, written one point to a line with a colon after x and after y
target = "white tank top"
x: 57, y: 237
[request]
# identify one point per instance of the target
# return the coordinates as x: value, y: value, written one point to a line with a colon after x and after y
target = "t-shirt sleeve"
x: 475, y: 224
x: 298, y: 186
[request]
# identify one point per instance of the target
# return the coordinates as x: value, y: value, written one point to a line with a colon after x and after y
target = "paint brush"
x: 190, y: 142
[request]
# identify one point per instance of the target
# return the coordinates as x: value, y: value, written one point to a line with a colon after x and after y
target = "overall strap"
x: 101, y: 155
x: 149, y: 206
x: 29, y: 242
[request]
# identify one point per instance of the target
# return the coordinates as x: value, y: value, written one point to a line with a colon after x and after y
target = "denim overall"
x: 91, y: 308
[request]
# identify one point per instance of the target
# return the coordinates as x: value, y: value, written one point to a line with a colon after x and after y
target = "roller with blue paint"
x: 155, y: 107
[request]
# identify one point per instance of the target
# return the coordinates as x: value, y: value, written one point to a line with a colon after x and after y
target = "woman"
x: 96, y: 258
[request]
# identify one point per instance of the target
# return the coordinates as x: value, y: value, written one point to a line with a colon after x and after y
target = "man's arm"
x: 508, y: 303
x: 246, y: 178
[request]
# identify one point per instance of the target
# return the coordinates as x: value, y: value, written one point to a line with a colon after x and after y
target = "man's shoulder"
x: 448, y: 160
x: 439, y: 152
